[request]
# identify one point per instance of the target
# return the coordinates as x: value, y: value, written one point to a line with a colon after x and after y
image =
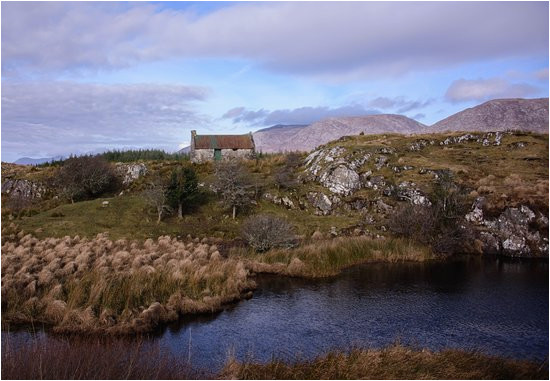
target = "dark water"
x: 497, y: 306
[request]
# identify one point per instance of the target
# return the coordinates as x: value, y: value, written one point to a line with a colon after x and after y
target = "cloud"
x: 302, y: 115
x: 463, y: 90
x: 52, y: 118
x: 542, y: 74
x: 314, y: 38
x: 400, y: 104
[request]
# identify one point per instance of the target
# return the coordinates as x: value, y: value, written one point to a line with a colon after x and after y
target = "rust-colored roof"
x: 224, y: 141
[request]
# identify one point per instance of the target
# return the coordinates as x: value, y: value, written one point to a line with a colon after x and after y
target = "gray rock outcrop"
x: 25, y: 188
x: 130, y: 172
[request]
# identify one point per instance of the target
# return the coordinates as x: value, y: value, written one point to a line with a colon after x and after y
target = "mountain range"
x: 494, y: 115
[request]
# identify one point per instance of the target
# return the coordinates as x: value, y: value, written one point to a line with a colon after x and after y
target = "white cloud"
x: 463, y: 90
x: 52, y: 118
x: 314, y: 38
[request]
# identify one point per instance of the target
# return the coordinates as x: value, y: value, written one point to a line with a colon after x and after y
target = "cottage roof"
x: 224, y: 141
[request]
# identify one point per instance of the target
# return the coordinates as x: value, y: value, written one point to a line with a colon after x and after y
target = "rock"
x: 514, y: 234
x: 130, y: 172
x: 515, y: 246
x: 490, y: 243
x: 475, y: 216
x: 341, y: 180
x: 321, y: 202
x: 336, y: 169
x: 27, y: 189
x: 380, y: 161
x: 105, y: 204
x: 288, y: 203
x: 406, y: 191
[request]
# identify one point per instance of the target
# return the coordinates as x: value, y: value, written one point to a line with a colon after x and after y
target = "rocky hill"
x: 499, y: 115
x: 306, y: 138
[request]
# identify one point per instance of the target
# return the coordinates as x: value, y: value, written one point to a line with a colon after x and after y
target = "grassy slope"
x: 503, y: 174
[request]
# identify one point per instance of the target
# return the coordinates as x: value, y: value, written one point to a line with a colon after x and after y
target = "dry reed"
x: 394, y: 362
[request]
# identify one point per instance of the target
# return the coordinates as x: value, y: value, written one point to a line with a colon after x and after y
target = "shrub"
x: 86, y: 177
x: 264, y: 232
x: 413, y: 221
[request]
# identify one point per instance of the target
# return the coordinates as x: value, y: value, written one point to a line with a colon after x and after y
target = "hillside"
x: 499, y: 115
x: 276, y: 138
x: 300, y: 138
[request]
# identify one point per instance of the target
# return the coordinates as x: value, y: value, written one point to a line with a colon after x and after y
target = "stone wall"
x: 202, y: 155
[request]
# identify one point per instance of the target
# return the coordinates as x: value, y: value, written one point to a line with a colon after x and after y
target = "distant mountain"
x: 499, y: 115
x: 31, y: 161
x: 275, y: 138
x: 305, y: 138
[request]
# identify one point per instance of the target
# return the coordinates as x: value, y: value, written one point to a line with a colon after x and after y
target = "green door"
x: 217, y: 154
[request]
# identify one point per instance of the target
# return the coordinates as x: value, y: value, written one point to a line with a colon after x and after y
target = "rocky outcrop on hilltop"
x: 130, y: 172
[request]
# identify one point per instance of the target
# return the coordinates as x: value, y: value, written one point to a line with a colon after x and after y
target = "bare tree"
x: 233, y: 182
x: 156, y: 196
x: 263, y: 232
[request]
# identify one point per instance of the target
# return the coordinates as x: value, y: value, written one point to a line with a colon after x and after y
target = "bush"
x: 264, y: 232
x: 86, y: 177
x: 413, y: 221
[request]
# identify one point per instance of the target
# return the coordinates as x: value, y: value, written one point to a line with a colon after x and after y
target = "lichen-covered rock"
x: 407, y: 191
x: 336, y: 168
x: 321, y: 202
x: 130, y: 172
x: 512, y: 233
x: 341, y: 180
x: 475, y: 216
x: 25, y: 188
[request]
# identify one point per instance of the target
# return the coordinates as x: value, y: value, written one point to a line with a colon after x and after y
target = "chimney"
x: 192, y: 143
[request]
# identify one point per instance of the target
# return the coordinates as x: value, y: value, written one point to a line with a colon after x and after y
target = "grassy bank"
x: 99, y: 285
x: 396, y: 362
x: 328, y: 258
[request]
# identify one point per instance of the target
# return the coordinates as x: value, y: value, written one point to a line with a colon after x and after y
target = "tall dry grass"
x: 395, y: 362
x: 328, y: 258
x: 103, y: 359
x: 99, y: 285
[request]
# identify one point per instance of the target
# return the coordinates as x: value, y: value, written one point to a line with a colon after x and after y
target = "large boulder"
x: 321, y: 202
x: 130, y: 172
x: 25, y: 188
x: 336, y: 169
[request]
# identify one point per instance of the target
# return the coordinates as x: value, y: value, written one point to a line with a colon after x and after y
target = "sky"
x: 86, y: 77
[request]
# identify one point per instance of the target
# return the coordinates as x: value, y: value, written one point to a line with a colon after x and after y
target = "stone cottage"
x: 218, y: 147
